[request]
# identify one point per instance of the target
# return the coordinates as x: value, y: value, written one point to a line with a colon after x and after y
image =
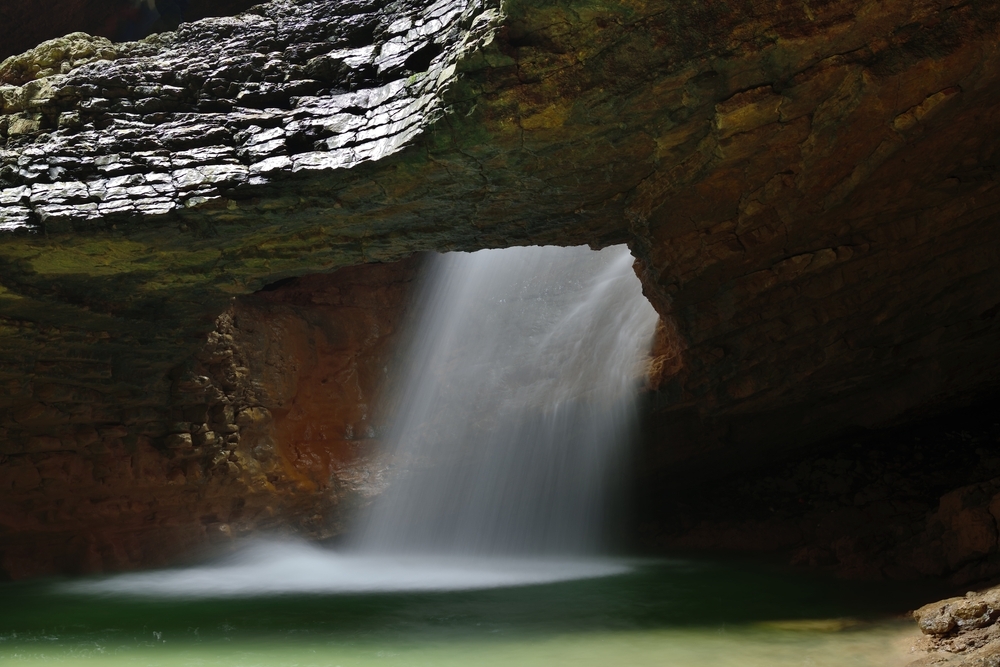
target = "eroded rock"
x: 55, y: 56
x: 812, y: 197
x: 960, y: 631
x: 270, y: 425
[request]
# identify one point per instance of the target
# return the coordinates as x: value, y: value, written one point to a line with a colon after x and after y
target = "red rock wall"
x: 319, y: 352
x: 271, y: 425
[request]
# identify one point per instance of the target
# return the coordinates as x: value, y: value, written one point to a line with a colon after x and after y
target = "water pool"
x: 681, y: 613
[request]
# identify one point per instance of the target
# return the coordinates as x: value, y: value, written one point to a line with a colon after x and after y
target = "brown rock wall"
x: 270, y: 425
x: 811, y: 194
x: 800, y: 277
x: 319, y: 353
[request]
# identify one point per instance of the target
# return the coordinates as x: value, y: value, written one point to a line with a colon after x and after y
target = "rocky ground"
x: 960, y: 631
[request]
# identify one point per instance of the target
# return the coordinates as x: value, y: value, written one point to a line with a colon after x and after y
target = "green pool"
x: 685, y: 613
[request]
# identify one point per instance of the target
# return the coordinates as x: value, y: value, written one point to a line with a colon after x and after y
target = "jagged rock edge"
x: 49, y: 184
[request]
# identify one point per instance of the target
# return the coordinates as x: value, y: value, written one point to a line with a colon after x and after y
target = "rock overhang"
x: 768, y: 165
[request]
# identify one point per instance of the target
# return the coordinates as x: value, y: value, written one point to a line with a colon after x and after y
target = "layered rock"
x: 960, y: 631
x: 810, y: 191
x: 270, y: 425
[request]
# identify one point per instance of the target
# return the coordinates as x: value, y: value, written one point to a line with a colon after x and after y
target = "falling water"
x: 515, y: 410
x: 510, y: 427
x: 512, y: 420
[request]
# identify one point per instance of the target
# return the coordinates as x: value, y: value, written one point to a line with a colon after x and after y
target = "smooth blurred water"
x: 513, y: 417
x: 678, y: 613
x: 295, y: 567
x: 511, y: 423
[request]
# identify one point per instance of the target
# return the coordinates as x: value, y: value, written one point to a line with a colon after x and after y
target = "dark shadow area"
x: 903, y: 502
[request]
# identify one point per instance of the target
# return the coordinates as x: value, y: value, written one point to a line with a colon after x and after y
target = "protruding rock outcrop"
x: 810, y: 190
x: 961, y: 631
x: 26, y: 23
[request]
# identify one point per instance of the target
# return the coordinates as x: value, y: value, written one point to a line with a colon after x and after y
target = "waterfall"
x: 513, y: 415
x: 510, y: 424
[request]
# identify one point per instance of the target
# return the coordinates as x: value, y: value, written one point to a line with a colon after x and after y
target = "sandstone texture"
x: 810, y: 190
x: 961, y: 631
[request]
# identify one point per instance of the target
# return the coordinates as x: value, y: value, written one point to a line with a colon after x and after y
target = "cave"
x: 211, y: 239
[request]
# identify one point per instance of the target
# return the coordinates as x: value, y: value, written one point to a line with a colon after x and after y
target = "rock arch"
x: 810, y: 191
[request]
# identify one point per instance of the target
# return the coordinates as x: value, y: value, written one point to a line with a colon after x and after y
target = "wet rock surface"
x: 224, y: 106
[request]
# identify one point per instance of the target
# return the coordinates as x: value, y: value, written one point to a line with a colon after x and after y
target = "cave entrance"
x: 307, y: 339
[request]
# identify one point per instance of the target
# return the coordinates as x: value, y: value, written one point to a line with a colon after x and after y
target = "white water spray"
x: 515, y: 413
x: 511, y: 422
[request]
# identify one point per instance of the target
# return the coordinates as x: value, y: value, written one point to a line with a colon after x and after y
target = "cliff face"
x: 318, y: 353
x: 270, y: 425
x: 810, y: 190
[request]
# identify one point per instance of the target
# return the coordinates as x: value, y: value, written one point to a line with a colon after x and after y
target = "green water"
x: 668, y: 613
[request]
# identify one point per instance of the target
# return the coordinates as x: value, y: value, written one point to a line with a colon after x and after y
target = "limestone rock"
x: 55, y: 56
x: 971, y: 612
x: 811, y: 193
x: 960, y: 632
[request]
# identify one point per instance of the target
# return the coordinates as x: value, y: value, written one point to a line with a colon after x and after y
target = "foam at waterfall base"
x: 277, y: 568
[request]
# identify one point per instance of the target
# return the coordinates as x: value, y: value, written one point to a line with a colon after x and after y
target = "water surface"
x: 683, y: 613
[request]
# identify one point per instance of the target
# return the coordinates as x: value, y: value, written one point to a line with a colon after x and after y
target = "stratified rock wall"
x: 272, y: 424
x: 853, y: 277
x: 810, y: 190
